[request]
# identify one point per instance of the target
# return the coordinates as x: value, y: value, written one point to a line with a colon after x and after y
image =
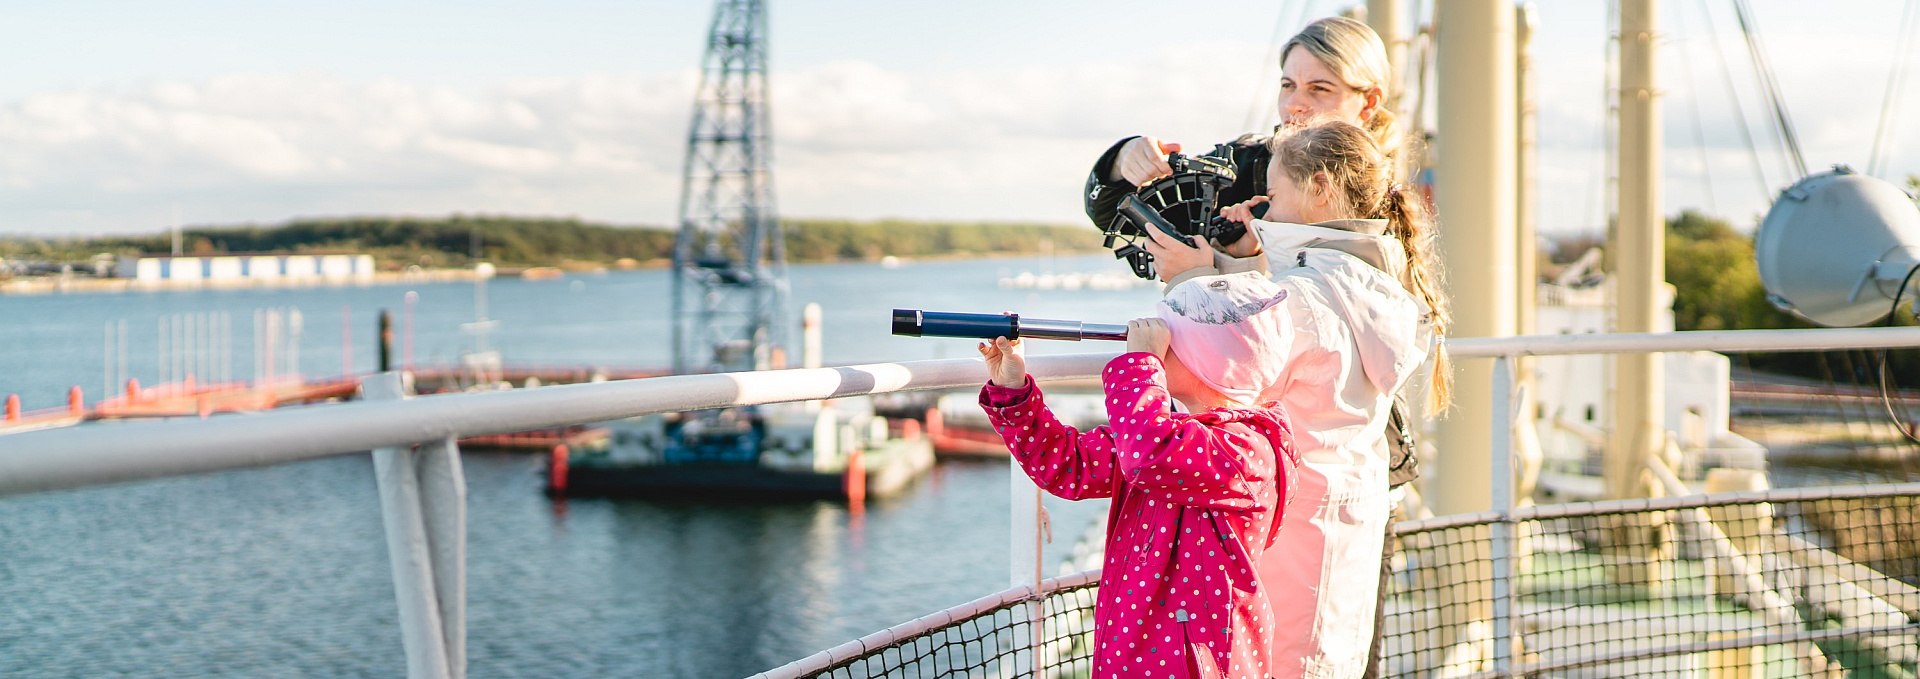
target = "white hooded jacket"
x: 1357, y: 337
x: 1358, y: 334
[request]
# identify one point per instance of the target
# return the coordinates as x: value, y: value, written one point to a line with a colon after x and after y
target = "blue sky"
x: 116, y: 115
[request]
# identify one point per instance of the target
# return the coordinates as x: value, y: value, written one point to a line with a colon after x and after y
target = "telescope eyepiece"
x: 907, y: 322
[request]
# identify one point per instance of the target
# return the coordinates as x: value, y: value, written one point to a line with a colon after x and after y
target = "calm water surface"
x: 283, y: 571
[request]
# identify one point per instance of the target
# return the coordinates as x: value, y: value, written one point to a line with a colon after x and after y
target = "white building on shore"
x: 244, y: 269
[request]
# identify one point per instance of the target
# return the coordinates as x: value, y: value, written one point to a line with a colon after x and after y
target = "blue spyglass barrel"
x: 917, y: 323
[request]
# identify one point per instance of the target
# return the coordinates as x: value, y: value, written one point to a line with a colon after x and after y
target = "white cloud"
x: 852, y: 138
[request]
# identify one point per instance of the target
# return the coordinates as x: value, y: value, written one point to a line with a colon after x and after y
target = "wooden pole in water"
x: 386, y: 340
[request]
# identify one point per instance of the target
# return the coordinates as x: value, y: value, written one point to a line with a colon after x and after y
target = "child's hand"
x: 1172, y: 258
x: 1242, y: 212
x: 1006, y: 362
x: 1149, y: 335
x: 1247, y: 246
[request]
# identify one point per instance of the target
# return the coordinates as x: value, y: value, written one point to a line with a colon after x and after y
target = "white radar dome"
x: 1836, y: 246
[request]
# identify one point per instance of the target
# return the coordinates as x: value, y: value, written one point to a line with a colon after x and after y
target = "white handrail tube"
x: 109, y: 453
x: 98, y: 454
x: 1731, y: 341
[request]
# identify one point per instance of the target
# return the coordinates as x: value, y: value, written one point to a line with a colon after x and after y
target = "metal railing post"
x: 423, y: 628
x: 443, y: 502
x: 1026, y: 565
x: 1502, y: 529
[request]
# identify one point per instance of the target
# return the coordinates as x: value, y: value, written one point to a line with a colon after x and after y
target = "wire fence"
x: 992, y: 637
x: 1814, y: 582
x: 1787, y: 583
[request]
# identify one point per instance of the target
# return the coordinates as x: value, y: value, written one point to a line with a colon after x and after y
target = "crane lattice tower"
x: 730, y: 283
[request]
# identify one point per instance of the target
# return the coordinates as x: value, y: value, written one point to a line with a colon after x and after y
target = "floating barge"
x: 783, y: 452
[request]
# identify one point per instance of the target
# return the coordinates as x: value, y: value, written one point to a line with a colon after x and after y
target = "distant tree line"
x: 460, y: 240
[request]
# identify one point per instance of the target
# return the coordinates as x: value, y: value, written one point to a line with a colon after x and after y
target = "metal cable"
x: 1770, y: 87
x: 1896, y: 81
x: 1739, y: 110
x: 1260, y: 98
x: 1693, y: 109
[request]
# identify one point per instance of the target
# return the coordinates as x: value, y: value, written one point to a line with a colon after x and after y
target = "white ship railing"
x: 423, y: 494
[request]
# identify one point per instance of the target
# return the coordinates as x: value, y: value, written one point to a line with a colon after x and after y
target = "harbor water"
x: 283, y: 571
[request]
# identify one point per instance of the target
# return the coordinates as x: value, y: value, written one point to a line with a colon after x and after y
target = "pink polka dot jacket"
x: 1195, y: 499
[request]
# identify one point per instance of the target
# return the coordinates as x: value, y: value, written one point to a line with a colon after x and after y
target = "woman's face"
x: 1308, y: 89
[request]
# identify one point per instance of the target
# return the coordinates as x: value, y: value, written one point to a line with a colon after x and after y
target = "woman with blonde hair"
x: 1331, y: 70
x: 1334, y: 68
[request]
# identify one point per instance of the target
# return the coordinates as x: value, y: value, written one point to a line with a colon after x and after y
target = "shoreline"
x: 80, y: 285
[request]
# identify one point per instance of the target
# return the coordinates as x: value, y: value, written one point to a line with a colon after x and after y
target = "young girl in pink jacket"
x: 1196, y: 495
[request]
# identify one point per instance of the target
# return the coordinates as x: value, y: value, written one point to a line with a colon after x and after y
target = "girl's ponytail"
x: 1407, y: 220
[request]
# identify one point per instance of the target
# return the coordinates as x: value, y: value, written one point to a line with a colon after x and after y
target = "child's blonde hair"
x: 1343, y: 161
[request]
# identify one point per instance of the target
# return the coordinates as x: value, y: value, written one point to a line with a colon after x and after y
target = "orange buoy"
x: 936, y: 423
x: 13, y: 407
x: 855, y: 478
x: 76, y: 402
x: 557, y: 470
x: 910, y: 429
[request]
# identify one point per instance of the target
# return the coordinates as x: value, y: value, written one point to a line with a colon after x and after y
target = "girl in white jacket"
x: 1354, y: 250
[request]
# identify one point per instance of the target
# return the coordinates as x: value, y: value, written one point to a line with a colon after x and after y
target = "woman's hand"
x: 1149, y: 335
x: 1172, y: 257
x: 1006, y: 362
x: 1143, y: 159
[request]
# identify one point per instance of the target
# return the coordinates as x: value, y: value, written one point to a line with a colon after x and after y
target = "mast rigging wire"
x: 1261, y: 101
x: 1770, y: 87
x: 1693, y: 108
x: 1739, y: 110
x: 1896, y: 82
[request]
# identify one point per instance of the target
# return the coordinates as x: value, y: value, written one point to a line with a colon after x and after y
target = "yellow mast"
x: 1474, y: 186
x: 1639, y: 252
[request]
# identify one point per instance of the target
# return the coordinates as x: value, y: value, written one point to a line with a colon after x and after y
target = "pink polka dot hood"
x: 1195, y: 500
